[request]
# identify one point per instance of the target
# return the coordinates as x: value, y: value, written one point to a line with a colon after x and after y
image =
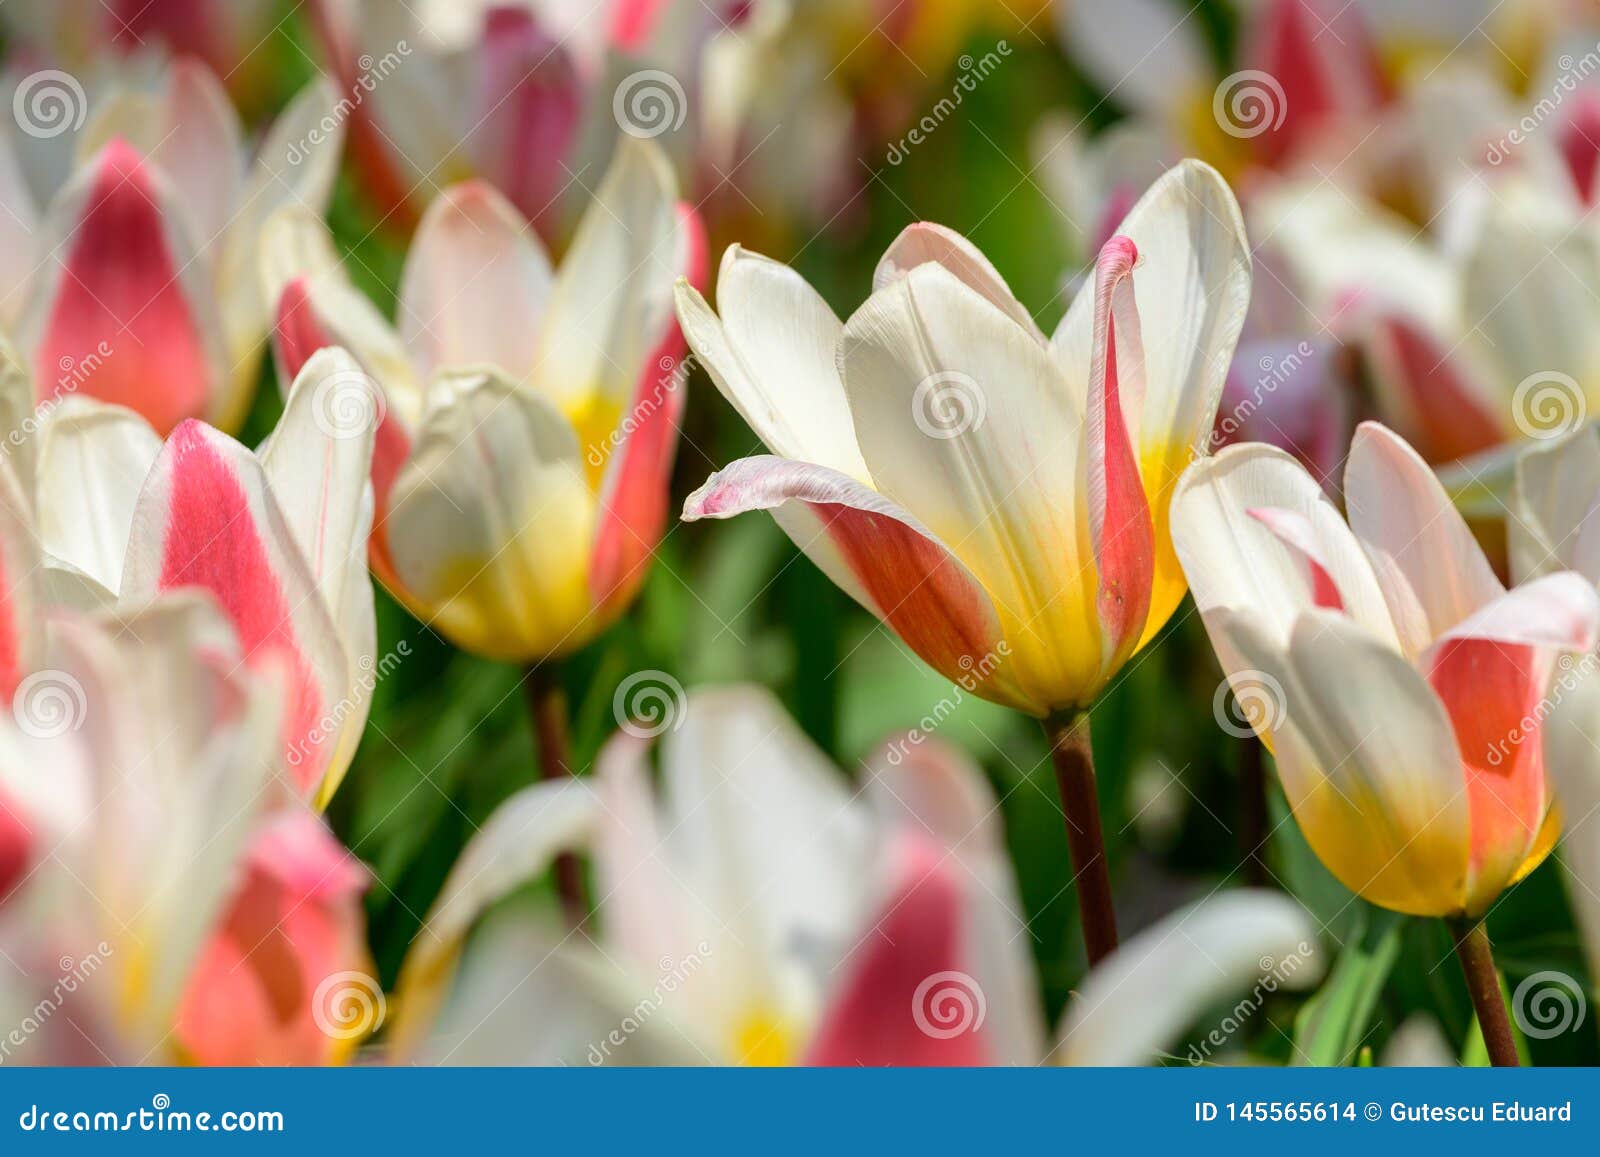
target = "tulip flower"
x: 268, y: 984
x: 1553, y: 526
x: 1398, y: 683
x: 278, y: 536
x: 139, y: 284
x: 996, y: 497
x: 735, y: 929
x: 160, y: 744
x: 529, y: 417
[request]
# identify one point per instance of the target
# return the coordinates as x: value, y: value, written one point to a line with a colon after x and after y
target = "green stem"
x: 547, y: 708
x: 1483, y: 983
x: 1070, y: 752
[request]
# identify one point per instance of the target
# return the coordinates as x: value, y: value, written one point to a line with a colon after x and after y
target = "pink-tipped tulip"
x: 520, y: 471
x: 260, y: 992
x: 141, y: 285
x: 997, y: 497
x: 1401, y: 687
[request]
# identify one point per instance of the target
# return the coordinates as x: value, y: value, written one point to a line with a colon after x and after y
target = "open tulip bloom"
x: 998, y: 498
x: 734, y: 927
x: 140, y: 284
x: 118, y: 517
x: 1399, y: 684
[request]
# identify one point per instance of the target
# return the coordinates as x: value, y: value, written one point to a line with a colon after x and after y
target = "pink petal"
x: 634, y: 491
x: 907, y: 998
x: 529, y: 102
x: 1579, y: 140
x: 16, y: 846
x: 206, y: 519
x: 1119, y: 514
x: 120, y: 319
x: 1445, y: 417
x: 295, y: 921
x: 1295, y: 531
x: 876, y: 552
x: 300, y: 332
x: 1323, y: 57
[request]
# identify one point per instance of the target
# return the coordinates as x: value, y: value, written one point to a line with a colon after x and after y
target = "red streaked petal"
x: 633, y: 494
x: 1579, y: 140
x: 1492, y: 691
x: 1444, y: 417
x: 878, y: 554
x: 1295, y: 531
x: 907, y: 997
x: 207, y: 519
x: 529, y: 101
x: 119, y: 325
x: 1120, y: 526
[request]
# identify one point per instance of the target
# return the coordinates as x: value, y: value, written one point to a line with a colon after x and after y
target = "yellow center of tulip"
x: 763, y: 1039
x: 596, y: 419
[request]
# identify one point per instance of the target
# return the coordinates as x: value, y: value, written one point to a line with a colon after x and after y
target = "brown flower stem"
x: 1483, y: 982
x: 1068, y: 734
x: 547, y: 708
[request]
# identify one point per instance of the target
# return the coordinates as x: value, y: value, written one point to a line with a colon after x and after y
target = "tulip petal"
x: 21, y: 620
x: 207, y: 518
x: 1436, y: 390
x: 1234, y: 559
x: 1553, y: 523
x: 1146, y: 993
x: 490, y: 521
x: 475, y: 285
x: 1571, y: 738
x: 875, y: 552
x: 517, y: 843
x: 934, y: 790
x: 1143, y: 53
x: 1367, y: 757
x: 92, y: 462
x: 612, y: 297
x: 1431, y: 569
x: 924, y: 242
x: 905, y: 997
x: 989, y: 461
x: 771, y: 354
x: 123, y: 320
x: 1119, y: 515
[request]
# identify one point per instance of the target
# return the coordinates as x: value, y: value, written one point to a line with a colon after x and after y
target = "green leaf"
x: 1333, y: 1025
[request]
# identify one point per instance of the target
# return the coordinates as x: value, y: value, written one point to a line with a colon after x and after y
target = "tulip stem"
x: 547, y: 708
x: 1070, y: 751
x: 1483, y: 982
